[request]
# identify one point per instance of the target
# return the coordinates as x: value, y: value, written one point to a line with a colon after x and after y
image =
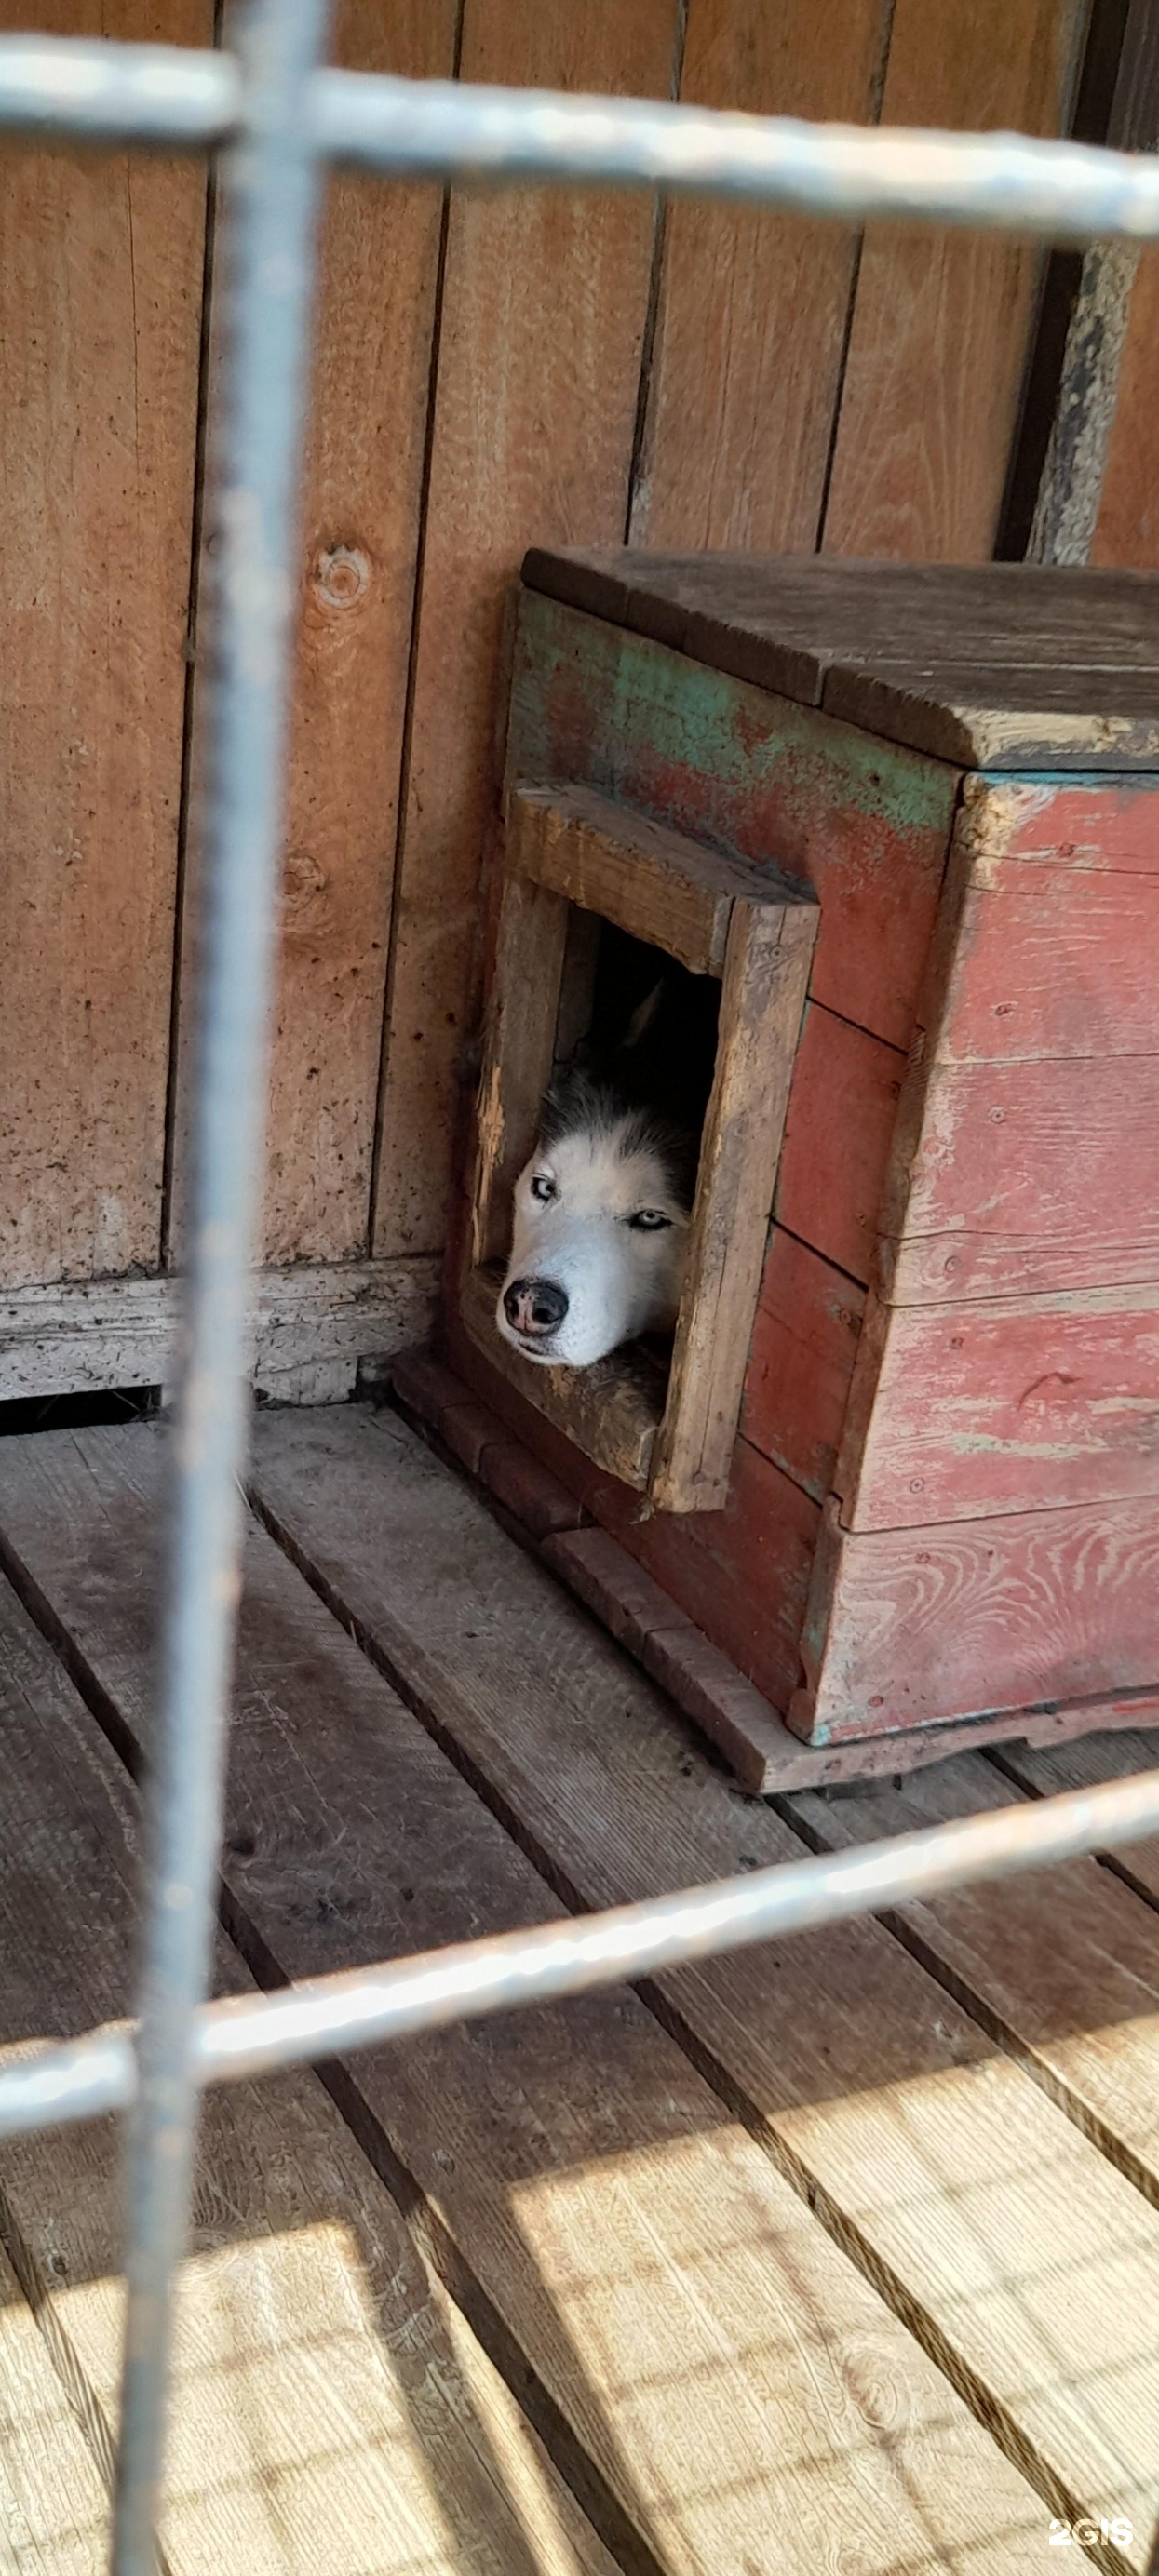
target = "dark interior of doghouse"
x: 609, y: 978
x: 608, y: 975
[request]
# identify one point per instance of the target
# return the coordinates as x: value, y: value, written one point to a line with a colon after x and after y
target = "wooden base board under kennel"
x: 766, y: 1757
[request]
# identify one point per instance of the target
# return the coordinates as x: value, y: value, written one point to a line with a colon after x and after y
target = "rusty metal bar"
x: 360, y: 2007
x: 62, y: 86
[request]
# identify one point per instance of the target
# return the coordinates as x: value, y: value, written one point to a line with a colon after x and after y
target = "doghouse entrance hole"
x: 599, y: 904
x: 609, y: 979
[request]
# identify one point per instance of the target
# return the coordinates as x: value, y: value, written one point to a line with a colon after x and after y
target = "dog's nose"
x: 535, y: 1306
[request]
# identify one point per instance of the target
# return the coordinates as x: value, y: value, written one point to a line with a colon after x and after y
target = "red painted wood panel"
x: 1055, y: 927
x: 1007, y: 1405
x: 910, y: 1628
x: 863, y: 823
x: 742, y: 1574
x: 801, y: 1362
x: 842, y: 1108
x: 1032, y: 1177
x: 1055, y: 961
x: 1105, y: 823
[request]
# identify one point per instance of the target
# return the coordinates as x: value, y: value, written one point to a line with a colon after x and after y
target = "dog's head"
x: 601, y: 1214
x: 600, y: 1235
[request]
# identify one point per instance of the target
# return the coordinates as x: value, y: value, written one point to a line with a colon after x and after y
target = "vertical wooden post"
x: 518, y: 1051
x: 1070, y: 490
x: 766, y: 974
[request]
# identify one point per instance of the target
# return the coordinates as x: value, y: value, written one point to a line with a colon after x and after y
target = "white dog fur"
x: 600, y: 1240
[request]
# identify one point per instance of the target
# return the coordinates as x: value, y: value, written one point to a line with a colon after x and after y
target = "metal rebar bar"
x: 449, y: 130
x: 111, y: 93
x: 252, y: 2034
x: 1015, y: 182
x: 49, y: 2086
x: 271, y: 190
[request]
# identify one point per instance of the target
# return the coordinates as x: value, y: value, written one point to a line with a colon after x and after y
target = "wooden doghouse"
x: 903, y: 1473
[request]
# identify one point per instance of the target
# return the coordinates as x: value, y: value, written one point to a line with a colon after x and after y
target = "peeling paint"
x: 992, y: 814
x: 863, y: 823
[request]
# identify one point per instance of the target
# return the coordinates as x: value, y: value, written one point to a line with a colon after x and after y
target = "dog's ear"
x: 565, y: 1102
x: 551, y: 1105
x: 573, y: 1099
x: 643, y: 1016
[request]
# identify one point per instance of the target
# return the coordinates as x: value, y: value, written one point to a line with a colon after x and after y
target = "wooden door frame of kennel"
x: 569, y: 850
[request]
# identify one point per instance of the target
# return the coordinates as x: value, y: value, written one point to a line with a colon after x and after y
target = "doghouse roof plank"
x: 1000, y: 666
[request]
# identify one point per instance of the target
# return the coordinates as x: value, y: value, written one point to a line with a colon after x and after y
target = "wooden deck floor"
x: 838, y: 2257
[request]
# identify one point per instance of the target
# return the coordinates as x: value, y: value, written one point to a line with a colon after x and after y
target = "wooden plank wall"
x: 359, y: 552
x: 939, y: 329
x: 100, y: 292
x: 490, y: 373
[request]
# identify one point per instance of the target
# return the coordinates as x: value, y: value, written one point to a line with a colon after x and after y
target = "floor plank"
x: 330, y: 2404
x: 747, y: 2396
x: 53, y: 2511
x: 1080, y: 1766
x: 1063, y: 1962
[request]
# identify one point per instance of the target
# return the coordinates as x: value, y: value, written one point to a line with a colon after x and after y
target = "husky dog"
x: 602, y: 1209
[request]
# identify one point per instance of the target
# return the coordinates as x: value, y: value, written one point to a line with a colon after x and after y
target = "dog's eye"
x: 542, y: 1187
x: 648, y: 1220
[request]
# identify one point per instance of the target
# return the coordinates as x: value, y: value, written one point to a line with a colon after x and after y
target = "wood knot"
x: 305, y: 895
x: 341, y: 574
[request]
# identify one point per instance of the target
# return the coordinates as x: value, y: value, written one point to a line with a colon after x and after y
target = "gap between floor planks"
x: 53, y: 2506
x: 731, y: 2373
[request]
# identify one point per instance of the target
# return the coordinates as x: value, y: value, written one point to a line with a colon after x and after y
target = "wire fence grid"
x: 279, y: 116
